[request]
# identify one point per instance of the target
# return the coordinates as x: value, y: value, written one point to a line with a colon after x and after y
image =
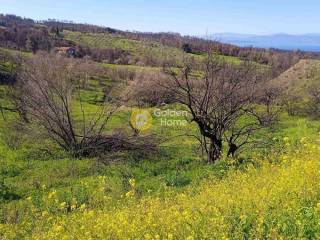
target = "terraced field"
x: 135, y: 48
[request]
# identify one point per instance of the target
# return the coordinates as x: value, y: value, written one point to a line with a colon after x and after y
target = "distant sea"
x: 302, y: 48
x: 308, y: 48
x: 306, y: 42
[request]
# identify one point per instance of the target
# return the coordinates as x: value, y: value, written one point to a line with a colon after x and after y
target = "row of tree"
x: 279, y: 60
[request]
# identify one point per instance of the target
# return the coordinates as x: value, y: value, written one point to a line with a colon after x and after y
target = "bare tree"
x: 144, y: 89
x: 45, y: 92
x: 218, y: 100
x: 8, y: 73
x: 49, y: 90
x: 313, y: 94
x: 267, y: 95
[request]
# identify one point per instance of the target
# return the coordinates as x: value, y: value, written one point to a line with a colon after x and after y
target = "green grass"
x: 6, y: 68
x: 26, y: 166
x: 132, y: 67
x: 32, y: 166
x: 15, y: 53
x: 29, y: 161
x: 178, y: 161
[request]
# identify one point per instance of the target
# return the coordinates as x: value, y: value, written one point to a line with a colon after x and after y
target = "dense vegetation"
x: 231, y: 151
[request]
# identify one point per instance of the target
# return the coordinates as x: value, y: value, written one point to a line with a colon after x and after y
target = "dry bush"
x: 120, y: 74
x: 146, y: 89
x: 293, y: 103
x: 45, y: 94
x: 313, y: 105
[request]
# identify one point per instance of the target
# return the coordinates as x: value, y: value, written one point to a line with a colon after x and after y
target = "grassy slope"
x: 273, y: 200
x: 31, y: 173
x: 228, y: 199
x: 298, y: 77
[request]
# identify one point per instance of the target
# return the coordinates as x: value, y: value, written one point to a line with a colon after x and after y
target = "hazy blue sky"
x: 184, y: 16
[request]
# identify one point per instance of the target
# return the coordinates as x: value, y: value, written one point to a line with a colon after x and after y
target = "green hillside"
x: 106, y: 137
x: 134, y: 47
x: 300, y: 75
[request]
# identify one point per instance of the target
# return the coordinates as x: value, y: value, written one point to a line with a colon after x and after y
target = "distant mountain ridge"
x: 305, y: 42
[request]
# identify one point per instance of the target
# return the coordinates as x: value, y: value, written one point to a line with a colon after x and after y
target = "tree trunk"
x: 215, y: 150
x: 232, y: 149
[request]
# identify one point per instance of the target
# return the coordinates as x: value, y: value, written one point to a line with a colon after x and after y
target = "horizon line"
x: 168, y: 31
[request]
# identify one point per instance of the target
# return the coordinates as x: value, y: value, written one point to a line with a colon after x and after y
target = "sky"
x: 188, y: 17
